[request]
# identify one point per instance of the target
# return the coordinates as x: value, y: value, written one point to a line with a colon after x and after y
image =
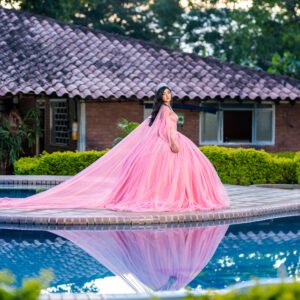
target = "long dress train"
x: 140, y: 173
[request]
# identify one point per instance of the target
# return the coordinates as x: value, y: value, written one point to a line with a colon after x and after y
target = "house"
x: 92, y: 77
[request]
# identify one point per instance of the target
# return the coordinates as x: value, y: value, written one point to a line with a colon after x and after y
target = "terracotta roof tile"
x: 39, y: 54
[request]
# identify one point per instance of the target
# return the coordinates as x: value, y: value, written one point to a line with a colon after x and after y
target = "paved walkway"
x: 246, y: 202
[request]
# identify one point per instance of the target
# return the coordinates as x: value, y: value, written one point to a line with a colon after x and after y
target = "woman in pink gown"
x: 155, y: 168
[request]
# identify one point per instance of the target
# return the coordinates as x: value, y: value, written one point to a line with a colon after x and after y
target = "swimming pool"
x: 158, y: 259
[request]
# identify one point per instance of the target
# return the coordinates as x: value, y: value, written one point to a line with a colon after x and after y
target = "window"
x: 251, y: 124
x: 237, y: 126
x: 148, y: 106
x: 59, y: 121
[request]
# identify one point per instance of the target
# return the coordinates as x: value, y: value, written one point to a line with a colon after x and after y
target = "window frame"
x: 51, y: 142
x: 147, y: 111
x: 220, y: 123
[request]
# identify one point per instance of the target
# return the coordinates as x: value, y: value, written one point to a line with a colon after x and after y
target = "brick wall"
x: 287, y: 130
x: 102, y: 119
x: 191, y: 123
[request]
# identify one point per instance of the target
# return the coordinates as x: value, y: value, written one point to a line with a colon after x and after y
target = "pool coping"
x: 264, y: 208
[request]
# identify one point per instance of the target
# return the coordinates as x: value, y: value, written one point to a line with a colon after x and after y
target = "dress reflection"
x: 156, y: 259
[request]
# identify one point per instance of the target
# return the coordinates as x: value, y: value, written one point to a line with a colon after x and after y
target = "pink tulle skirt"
x: 160, y: 180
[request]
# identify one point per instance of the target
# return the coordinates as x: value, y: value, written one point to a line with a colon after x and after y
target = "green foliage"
x: 249, y: 166
x: 32, y: 125
x: 11, y: 142
x: 57, y: 163
x: 30, y: 289
x: 288, y: 64
x: 26, y: 166
x: 14, y: 140
x: 297, y: 162
x: 287, y: 154
x: 266, y: 35
x: 66, y: 163
x: 126, y: 127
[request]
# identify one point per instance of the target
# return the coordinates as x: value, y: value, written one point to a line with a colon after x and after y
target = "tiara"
x: 162, y: 84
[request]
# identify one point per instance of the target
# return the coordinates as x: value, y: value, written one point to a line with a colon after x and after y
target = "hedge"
x: 287, y: 154
x: 297, y: 163
x: 234, y: 165
x: 26, y: 166
x: 249, y: 166
x: 57, y: 163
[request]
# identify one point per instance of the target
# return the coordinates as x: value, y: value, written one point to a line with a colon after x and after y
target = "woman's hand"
x: 174, y: 148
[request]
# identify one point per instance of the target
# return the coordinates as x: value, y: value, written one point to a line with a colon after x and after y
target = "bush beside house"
x: 56, y: 163
x: 234, y: 165
x: 249, y: 166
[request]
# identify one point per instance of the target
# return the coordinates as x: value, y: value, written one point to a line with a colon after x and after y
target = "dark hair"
x: 158, y: 102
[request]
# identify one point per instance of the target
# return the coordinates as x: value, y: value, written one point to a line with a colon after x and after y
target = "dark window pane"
x: 237, y: 126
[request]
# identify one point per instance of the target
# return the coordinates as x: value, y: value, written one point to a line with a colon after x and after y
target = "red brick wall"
x: 191, y: 123
x: 102, y: 119
x: 287, y: 133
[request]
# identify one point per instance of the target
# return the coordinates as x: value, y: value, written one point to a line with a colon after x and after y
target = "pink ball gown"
x: 140, y: 173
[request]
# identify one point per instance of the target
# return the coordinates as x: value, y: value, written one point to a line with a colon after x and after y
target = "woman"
x: 155, y: 168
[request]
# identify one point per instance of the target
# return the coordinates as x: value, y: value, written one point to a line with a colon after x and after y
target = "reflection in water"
x: 142, y: 260
x: 159, y: 259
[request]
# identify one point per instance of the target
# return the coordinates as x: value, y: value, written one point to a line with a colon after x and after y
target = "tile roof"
x: 42, y: 55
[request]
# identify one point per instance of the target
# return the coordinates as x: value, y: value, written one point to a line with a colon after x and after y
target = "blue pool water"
x: 17, y: 193
x: 157, y: 259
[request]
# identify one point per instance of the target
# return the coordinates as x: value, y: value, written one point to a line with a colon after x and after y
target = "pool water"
x: 160, y: 259
x: 16, y: 193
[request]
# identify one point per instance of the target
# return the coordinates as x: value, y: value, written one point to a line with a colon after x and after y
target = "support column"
x: 81, y: 145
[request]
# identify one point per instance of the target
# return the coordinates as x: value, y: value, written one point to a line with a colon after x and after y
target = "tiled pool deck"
x: 246, y: 202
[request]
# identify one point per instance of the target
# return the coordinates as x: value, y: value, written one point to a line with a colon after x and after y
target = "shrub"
x: 282, y: 170
x: 287, y: 154
x: 57, y: 163
x: 297, y: 167
x: 25, y: 165
x: 30, y: 289
x: 249, y: 166
x: 66, y: 163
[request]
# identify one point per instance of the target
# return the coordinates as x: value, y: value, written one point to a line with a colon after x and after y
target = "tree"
x: 250, y: 36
